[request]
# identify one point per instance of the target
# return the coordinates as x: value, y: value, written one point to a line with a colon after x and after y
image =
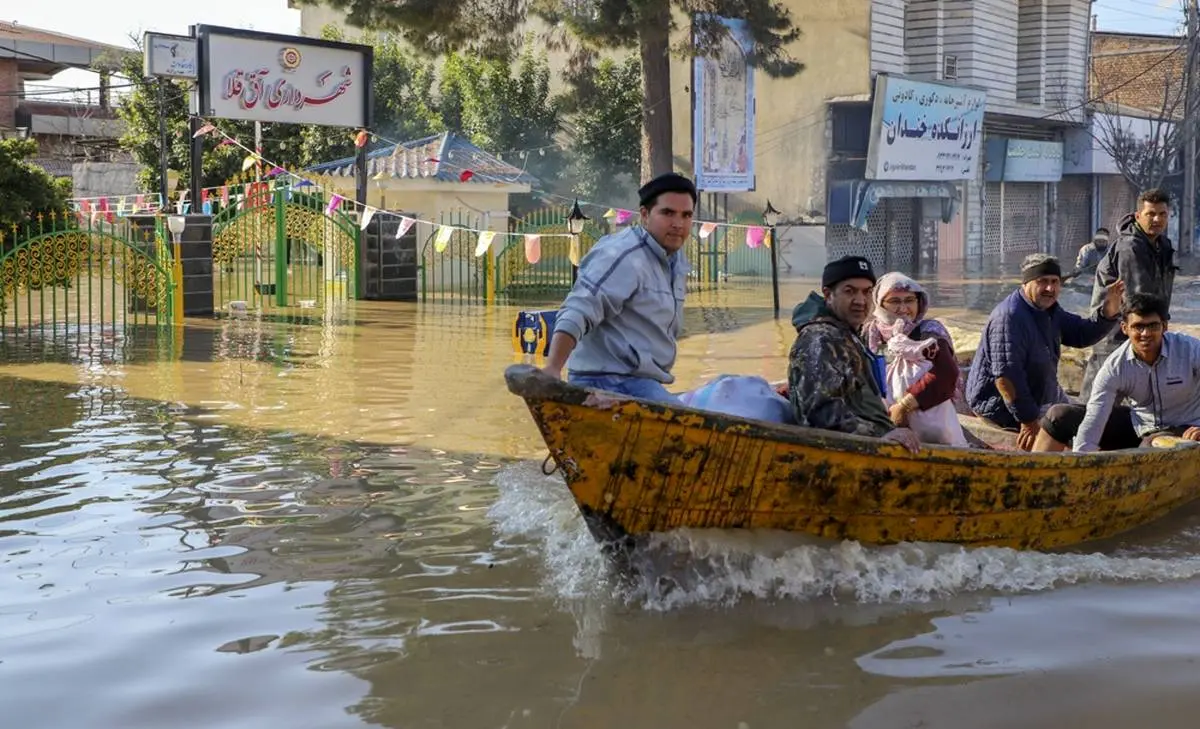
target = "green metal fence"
x: 452, y: 270
x: 551, y: 276
x: 278, y: 246
x: 724, y: 257
x: 62, y: 274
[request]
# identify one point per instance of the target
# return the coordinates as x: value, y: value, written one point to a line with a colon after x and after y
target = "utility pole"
x: 1187, y: 217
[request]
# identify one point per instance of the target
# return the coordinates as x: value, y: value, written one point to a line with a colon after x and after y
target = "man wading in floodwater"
x: 618, y: 327
x: 1144, y: 259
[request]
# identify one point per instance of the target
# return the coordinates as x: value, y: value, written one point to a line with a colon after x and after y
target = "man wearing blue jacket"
x: 1014, y: 376
x: 618, y: 327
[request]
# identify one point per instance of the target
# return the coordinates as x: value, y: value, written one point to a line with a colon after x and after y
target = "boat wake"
x: 721, y: 567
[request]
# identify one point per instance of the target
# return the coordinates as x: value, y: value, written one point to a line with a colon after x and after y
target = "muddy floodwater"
x: 342, y: 522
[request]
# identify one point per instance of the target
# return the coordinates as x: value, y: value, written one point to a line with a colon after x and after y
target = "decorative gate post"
x: 281, y: 244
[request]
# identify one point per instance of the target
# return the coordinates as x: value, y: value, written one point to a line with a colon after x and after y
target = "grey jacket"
x: 1163, y: 395
x: 1144, y: 267
x: 626, y: 308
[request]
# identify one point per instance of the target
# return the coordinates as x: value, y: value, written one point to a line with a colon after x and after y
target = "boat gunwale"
x: 534, y: 385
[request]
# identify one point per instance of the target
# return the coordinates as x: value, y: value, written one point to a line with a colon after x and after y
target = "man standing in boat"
x: 1142, y: 257
x: 1159, y: 373
x: 618, y: 327
x: 1014, y: 376
x: 834, y: 382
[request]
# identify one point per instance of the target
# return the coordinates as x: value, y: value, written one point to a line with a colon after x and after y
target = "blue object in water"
x: 532, y: 331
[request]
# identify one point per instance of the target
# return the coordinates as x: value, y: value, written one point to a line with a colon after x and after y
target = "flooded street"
x: 344, y: 523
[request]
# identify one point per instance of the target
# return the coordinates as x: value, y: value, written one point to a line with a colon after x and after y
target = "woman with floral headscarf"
x: 899, y: 331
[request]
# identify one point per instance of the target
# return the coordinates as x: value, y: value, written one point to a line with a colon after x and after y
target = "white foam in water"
x: 720, y: 567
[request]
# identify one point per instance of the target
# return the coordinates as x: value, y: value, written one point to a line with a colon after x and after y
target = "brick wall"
x: 1149, y: 80
x: 10, y: 86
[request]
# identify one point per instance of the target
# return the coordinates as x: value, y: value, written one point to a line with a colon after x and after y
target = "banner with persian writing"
x: 925, y: 131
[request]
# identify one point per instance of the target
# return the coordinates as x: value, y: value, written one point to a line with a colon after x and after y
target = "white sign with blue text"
x: 925, y: 131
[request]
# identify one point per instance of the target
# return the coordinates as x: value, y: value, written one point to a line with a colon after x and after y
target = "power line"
x: 63, y: 91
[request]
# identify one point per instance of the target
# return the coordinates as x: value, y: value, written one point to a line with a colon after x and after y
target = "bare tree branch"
x: 1146, y: 144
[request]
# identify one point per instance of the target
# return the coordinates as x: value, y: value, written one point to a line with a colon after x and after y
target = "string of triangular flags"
x: 254, y: 163
x: 111, y: 207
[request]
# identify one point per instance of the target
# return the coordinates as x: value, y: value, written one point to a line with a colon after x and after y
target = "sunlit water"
x: 345, y: 524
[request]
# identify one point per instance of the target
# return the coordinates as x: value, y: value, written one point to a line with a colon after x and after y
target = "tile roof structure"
x: 440, y: 157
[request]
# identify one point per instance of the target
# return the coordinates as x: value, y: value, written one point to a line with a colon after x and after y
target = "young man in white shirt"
x: 1157, y: 372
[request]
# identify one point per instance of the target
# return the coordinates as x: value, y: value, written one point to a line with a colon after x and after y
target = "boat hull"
x: 636, y: 467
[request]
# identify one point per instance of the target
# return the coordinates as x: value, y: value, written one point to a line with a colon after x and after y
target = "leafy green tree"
x: 25, y: 189
x: 404, y: 103
x: 491, y: 28
x: 603, y: 106
x: 514, y: 115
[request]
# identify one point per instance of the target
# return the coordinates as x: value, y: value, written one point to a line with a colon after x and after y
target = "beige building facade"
x: 812, y: 130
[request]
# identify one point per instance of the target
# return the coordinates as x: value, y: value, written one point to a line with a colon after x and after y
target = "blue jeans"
x: 641, y: 387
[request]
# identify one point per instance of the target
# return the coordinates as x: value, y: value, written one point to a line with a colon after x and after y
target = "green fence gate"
x: 277, y: 246
x: 453, y: 271
x: 73, y: 275
x: 550, y: 277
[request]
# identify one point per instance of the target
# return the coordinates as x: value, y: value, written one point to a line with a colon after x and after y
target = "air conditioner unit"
x: 949, y: 67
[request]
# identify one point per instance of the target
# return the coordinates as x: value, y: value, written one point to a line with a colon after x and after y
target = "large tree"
x: 506, y: 110
x: 605, y: 153
x: 26, y: 190
x: 492, y: 28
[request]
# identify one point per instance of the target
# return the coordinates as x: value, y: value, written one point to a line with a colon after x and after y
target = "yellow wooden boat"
x: 636, y: 467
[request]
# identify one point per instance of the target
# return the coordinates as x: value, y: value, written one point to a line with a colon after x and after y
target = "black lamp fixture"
x: 770, y: 215
x: 576, y: 220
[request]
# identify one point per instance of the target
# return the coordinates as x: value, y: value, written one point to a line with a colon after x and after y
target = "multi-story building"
x: 68, y: 127
x: 812, y: 131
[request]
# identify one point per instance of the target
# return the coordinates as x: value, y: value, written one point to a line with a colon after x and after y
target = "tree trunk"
x: 657, y: 129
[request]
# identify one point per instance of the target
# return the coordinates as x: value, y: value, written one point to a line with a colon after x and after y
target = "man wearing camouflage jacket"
x: 834, y: 382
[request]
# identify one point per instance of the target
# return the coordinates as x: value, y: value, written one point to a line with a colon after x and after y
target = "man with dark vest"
x: 834, y: 382
x: 1014, y: 377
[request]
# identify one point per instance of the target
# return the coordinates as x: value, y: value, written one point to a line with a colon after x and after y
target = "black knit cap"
x: 1037, y: 265
x: 846, y: 267
x: 670, y: 182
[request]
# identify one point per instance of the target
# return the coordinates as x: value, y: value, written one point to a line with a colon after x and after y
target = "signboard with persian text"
x: 925, y: 131
x: 275, y: 78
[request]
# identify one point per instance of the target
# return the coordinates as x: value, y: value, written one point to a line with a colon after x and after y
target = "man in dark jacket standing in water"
x: 1144, y: 259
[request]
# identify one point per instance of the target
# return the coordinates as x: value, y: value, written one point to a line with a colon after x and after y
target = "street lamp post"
x: 575, y: 223
x: 176, y: 224
x: 771, y: 218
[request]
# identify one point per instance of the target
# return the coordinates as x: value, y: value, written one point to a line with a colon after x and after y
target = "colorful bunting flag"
x: 706, y: 230
x: 368, y: 214
x: 623, y: 217
x: 443, y: 238
x: 754, y: 236
x: 204, y: 129
x: 575, y: 251
x: 333, y: 204
x: 406, y: 224
x: 533, y: 248
x: 485, y: 241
